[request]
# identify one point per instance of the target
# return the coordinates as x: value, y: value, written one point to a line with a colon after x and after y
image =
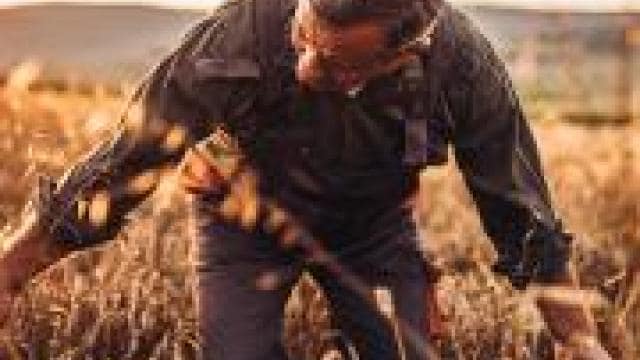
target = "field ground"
x: 132, y: 298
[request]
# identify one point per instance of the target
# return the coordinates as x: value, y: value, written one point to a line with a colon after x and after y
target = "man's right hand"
x: 23, y: 255
x: 6, y: 304
x: 198, y: 175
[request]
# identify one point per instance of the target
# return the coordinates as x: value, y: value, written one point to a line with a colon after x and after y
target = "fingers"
x: 566, y: 320
x: 573, y: 327
x: 199, y: 175
x: 565, y: 309
x: 6, y: 305
x: 587, y: 348
x: 436, y: 322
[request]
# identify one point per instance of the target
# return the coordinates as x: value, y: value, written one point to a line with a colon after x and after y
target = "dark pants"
x: 245, y: 278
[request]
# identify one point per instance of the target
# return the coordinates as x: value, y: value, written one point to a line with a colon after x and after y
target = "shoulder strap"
x: 269, y: 18
x: 422, y: 82
x: 272, y: 51
x: 417, y: 107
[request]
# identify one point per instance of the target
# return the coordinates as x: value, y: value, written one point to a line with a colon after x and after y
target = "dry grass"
x: 133, y: 298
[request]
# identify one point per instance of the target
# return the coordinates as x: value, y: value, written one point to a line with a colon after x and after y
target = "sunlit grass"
x: 133, y: 298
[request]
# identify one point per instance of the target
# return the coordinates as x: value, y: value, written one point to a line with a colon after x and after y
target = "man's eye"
x: 329, y: 56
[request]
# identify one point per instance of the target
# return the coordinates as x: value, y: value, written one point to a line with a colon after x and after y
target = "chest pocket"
x: 225, y: 87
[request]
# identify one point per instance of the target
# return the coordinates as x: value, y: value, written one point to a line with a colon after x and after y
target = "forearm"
x: 498, y: 157
x: 89, y: 204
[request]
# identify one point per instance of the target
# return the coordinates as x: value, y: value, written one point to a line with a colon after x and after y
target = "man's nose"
x: 308, y: 69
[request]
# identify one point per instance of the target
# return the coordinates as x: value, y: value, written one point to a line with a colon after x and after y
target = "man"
x: 323, y: 113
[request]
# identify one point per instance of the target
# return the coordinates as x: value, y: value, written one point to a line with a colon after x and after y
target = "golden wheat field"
x: 132, y: 298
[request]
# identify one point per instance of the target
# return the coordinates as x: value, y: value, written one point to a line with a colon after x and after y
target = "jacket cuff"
x: 53, y: 215
x: 543, y: 257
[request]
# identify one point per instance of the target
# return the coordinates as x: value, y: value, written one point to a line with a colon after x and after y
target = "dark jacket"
x: 323, y: 156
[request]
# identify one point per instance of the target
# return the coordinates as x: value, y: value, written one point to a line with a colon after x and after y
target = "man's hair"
x: 404, y: 17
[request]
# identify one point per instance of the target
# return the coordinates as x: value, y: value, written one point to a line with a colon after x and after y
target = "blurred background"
x: 67, y: 67
x: 579, y: 57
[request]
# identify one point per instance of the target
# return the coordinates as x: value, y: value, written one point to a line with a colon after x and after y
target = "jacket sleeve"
x: 89, y: 203
x: 498, y: 157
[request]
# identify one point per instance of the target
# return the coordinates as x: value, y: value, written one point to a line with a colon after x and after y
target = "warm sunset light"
x: 320, y: 179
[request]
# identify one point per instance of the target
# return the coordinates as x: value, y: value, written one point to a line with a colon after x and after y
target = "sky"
x: 567, y: 4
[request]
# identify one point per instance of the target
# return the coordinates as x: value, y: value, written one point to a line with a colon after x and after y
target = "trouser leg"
x: 404, y: 269
x: 243, y: 283
x: 410, y: 292
x: 358, y: 318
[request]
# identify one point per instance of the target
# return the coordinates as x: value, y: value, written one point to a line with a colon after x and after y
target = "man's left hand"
x: 563, y: 307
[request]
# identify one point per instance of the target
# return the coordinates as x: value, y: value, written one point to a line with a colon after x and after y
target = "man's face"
x: 332, y: 58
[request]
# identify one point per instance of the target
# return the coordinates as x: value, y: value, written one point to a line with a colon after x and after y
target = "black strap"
x: 422, y: 82
x: 268, y: 29
x: 418, y: 108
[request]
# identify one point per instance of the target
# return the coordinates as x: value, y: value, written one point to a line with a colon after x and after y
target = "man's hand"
x: 24, y: 254
x: 6, y: 305
x: 563, y: 307
x: 198, y: 175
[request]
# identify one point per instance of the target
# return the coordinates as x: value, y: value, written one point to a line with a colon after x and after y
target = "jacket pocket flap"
x: 221, y: 68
